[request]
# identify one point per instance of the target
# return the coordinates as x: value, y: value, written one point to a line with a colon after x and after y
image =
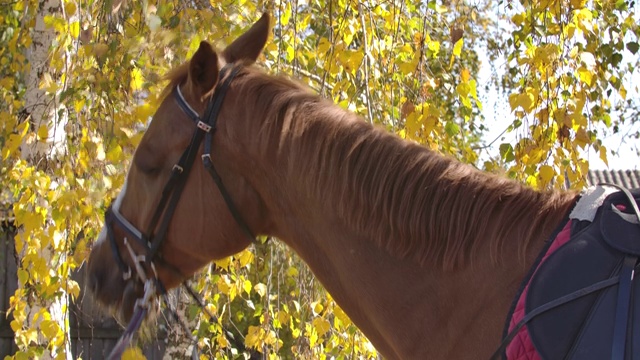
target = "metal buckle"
x: 204, y: 126
x: 137, y: 259
x: 126, y: 276
x: 178, y: 168
x: 206, y: 156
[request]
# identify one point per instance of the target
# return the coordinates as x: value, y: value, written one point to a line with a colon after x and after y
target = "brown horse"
x: 425, y: 254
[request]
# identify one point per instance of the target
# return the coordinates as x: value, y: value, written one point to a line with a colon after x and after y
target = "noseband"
x: 150, y: 240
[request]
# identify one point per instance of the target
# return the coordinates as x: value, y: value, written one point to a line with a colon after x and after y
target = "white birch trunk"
x: 42, y: 110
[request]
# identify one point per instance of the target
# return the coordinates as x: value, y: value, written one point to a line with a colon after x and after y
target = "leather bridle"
x: 205, y: 128
x: 152, y: 240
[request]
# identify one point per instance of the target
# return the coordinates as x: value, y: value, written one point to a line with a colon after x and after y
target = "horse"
x: 425, y: 254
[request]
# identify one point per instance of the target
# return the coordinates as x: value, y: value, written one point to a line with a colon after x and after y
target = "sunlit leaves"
x: 565, y: 63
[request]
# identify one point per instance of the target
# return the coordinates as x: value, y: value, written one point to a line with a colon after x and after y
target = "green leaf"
x: 451, y: 128
x: 506, y: 152
x: 632, y: 47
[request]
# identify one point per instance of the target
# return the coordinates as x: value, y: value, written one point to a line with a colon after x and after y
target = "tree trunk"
x: 41, y: 110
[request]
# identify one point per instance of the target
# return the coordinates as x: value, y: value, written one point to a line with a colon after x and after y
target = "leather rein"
x: 152, y: 240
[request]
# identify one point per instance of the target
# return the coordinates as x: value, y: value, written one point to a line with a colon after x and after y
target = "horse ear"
x: 203, y: 69
x: 250, y: 44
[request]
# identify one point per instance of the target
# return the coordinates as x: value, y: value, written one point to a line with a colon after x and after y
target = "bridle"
x: 152, y: 240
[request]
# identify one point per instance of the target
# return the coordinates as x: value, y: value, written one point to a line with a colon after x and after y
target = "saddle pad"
x: 521, y: 347
x: 583, y: 328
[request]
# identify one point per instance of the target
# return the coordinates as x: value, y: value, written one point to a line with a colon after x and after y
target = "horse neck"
x: 374, y: 217
x: 403, y: 197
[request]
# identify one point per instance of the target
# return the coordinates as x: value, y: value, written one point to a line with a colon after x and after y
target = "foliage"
x: 566, y: 74
x: 409, y: 66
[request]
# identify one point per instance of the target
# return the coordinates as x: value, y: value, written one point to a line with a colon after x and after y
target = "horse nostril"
x: 96, y: 280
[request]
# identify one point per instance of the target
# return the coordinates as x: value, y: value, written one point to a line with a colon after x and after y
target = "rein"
x: 151, y: 243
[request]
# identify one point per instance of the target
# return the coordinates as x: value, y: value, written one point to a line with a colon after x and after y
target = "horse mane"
x: 409, y: 200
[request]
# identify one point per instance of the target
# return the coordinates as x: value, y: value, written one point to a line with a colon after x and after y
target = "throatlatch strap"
x: 227, y: 198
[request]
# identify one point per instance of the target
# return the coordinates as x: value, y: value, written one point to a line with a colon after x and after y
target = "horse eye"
x: 147, y: 165
x: 149, y: 170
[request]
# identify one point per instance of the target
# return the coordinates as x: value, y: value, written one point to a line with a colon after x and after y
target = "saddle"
x: 582, y: 301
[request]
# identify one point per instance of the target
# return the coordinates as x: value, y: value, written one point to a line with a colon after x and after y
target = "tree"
x: 410, y: 67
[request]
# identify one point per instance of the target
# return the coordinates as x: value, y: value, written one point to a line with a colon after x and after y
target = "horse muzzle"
x: 106, y: 283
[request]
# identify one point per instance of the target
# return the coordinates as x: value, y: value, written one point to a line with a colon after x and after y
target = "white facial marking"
x: 116, y: 205
x: 123, y: 191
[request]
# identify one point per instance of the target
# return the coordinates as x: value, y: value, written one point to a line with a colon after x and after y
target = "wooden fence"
x: 8, y: 284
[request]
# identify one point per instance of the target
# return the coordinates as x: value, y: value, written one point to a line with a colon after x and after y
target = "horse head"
x: 167, y: 236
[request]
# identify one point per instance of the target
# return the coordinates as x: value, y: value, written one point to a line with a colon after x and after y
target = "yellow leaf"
x: 465, y: 75
x: 434, y: 46
x: 283, y: 317
x: 252, y: 339
x: 49, y: 329
x: 30, y: 336
x: 73, y: 289
x: 578, y: 4
x: 463, y: 89
x: 23, y: 276
x: 7, y: 83
x: 582, y: 138
x: 79, y: 104
x: 115, y: 154
x: 321, y: 325
x: 211, y: 309
x: 136, y: 79
x: 316, y: 307
x: 286, y: 15
x: 74, y: 29
x: 312, y: 335
x: 525, y: 101
x: 133, y: 353
x: 457, y: 48
x: 517, y: 19
x: 603, y: 155
x: 290, y: 53
x: 341, y: 315
x: 546, y: 173
x: 246, y: 286
x: 15, y: 326
x: 323, y: 46
x: 221, y: 339
x: 245, y: 258
x: 70, y: 7
x: 144, y: 112
x: 43, y: 132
